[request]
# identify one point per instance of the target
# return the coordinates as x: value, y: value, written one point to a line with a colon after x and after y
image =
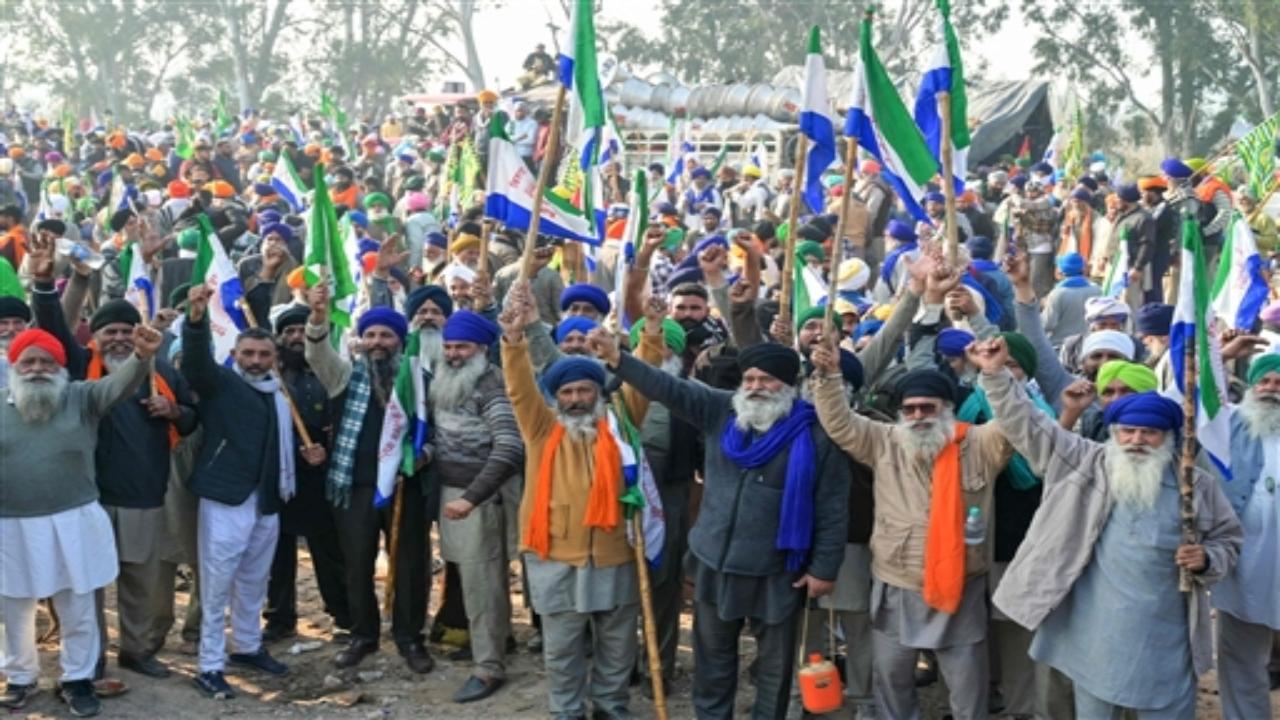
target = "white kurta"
x: 70, y: 550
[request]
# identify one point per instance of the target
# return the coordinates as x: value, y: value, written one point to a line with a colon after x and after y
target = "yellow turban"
x: 1138, y: 377
x: 487, y: 96
x: 464, y: 242
x: 844, y: 307
x: 751, y: 171
x: 882, y: 312
x: 854, y: 274
x: 1195, y: 163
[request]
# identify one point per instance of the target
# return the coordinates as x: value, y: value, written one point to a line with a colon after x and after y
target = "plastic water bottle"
x: 975, y: 528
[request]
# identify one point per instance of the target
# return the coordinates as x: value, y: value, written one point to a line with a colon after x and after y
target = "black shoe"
x: 80, y: 698
x: 1275, y: 680
x: 535, y: 642
x: 417, y: 657
x: 214, y: 685
x: 995, y: 701
x: 511, y: 644
x: 260, y: 660
x: 16, y: 695
x: 149, y: 666
x: 462, y: 654
x: 477, y: 688
x: 355, y: 651
x: 926, y: 672
x: 275, y: 633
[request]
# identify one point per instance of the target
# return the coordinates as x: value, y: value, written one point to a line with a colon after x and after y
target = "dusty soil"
x: 382, y: 687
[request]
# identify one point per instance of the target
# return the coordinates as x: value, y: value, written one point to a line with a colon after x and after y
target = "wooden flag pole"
x: 650, y: 624
x: 789, y: 254
x: 485, y: 229
x: 948, y: 179
x: 1262, y: 203
x: 298, y: 425
x: 393, y: 544
x: 1186, y: 476
x: 549, y: 159
x: 837, y: 245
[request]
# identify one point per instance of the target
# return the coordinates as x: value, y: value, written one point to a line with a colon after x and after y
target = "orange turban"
x: 296, y: 279
x: 154, y: 155
x: 487, y: 96
x: 16, y: 152
x: 1152, y: 182
x: 221, y: 189
x: 116, y: 140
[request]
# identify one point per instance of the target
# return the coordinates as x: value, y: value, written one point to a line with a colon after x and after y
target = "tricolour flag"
x: 138, y: 288
x: 760, y: 159
x: 641, y: 494
x: 1257, y: 151
x: 1240, y: 290
x: 510, y: 190
x: 327, y: 258
x: 286, y: 182
x: 1194, y: 326
x: 815, y: 123
x: 945, y: 74
x: 213, y: 268
x: 884, y: 128
x: 810, y: 288
x: 1117, y: 280
x: 580, y: 75
x: 632, y: 238
x: 185, y: 146
x: 404, y: 424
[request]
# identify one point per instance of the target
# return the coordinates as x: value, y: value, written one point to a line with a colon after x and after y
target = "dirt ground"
x: 382, y: 688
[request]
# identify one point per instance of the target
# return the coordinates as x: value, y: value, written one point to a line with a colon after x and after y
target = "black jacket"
x: 240, y: 451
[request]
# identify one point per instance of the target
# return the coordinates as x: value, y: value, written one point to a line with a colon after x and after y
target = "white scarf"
x: 284, y: 431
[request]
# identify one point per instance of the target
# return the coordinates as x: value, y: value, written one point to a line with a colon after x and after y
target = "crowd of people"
x: 972, y: 471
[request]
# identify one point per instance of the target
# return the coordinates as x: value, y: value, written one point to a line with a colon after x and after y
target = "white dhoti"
x: 236, y: 545
x: 64, y: 556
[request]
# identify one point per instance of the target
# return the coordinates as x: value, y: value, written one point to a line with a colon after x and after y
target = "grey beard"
x: 926, y: 442
x: 759, y: 414
x: 113, y: 363
x: 1135, y: 479
x: 430, y: 347
x: 1262, y: 418
x: 37, y: 402
x: 451, y: 386
x: 582, y: 428
x: 673, y: 366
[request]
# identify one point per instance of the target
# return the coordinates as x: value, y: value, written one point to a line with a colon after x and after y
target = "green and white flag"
x: 1257, y: 151
x: 327, y: 258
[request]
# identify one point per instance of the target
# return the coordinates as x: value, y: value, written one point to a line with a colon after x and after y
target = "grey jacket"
x: 737, y: 526
x: 1073, y: 511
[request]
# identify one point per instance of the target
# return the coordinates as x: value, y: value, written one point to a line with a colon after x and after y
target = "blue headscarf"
x: 1146, y: 409
x: 468, y: 326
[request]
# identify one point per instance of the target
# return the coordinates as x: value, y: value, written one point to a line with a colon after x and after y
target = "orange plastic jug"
x: 820, y: 688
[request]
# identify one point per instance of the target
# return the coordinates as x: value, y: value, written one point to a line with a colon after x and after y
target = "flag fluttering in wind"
x: 330, y: 110
x: 816, y: 124
x: 580, y: 75
x: 139, y: 291
x: 1240, y: 289
x: 945, y: 74
x: 1257, y: 151
x: 760, y: 158
x: 1194, y: 326
x: 1073, y: 154
x: 1117, y: 280
x: 185, y: 145
x: 214, y: 269
x: 327, y: 258
x: 632, y: 238
x: 222, y: 117
x: 884, y: 128
x: 285, y: 181
x: 404, y: 424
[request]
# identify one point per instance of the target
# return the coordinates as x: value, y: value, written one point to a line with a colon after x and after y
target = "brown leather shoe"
x: 417, y: 657
x: 354, y: 652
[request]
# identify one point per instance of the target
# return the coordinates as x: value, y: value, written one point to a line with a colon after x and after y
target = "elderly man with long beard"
x: 55, y: 539
x: 771, y: 529
x: 1097, y: 577
x: 929, y: 577
x: 360, y: 389
x: 1248, y: 600
x: 477, y: 450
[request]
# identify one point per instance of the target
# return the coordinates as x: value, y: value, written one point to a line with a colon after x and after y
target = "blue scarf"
x: 991, y: 303
x: 891, y: 260
x: 985, y: 266
x: 795, y: 522
x: 1074, y: 282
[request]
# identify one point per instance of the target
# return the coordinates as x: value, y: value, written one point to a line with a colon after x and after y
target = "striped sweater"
x: 477, y: 445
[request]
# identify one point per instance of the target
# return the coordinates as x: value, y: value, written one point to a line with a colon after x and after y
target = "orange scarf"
x: 1209, y: 187
x: 97, y: 370
x: 603, y: 508
x: 944, y: 548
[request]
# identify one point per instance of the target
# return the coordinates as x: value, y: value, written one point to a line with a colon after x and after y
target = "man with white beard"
x: 427, y: 308
x: 477, y: 450
x: 14, y: 316
x: 1097, y: 575
x: 55, y: 539
x: 771, y: 530
x: 929, y: 577
x: 1248, y: 600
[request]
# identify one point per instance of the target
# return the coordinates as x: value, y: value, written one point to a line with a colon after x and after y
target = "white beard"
x: 113, y: 363
x: 926, y: 438
x: 451, y: 386
x: 1261, y: 416
x: 1134, y: 477
x: 430, y: 348
x: 37, y: 401
x: 760, y: 413
x: 582, y: 427
x: 673, y: 366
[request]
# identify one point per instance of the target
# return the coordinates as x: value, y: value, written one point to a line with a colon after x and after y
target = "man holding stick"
x: 1097, y: 577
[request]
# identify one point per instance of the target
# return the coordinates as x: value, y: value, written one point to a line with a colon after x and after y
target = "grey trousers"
x: 477, y: 544
x: 613, y: 654
x: 1042, y: 267
x: 1012, y: 669
x: 963, y: 667
x: 1055, y: 695
x: 1089, y: 707
x: 1243, y: 682
x: 180, y: 547
x: 137, y: 533
x: 715, y: 664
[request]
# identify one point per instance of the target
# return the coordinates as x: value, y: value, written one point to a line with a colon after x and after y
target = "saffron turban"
x: 37, y: 338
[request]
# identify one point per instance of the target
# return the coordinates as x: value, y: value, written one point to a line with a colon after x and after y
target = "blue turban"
x: 700, y: 172
x: 1175, y: 168
x: 263, y: 189
x: 867, y: 328
x: 574, y: 324
x: 1018, y: 181
x: 358, y: 218
x: 682, y: 275
x: 1129, y: 193
x: 713, y: 210
x: 851, y: 368
x: 436, y: 294
x: 1088, y: 182
x: 266, y: 217
x: 467, y: 326
x: 436, y: 239
x: 935, y: 197
x: 406, y: 158
x: 1071, y: 264
x: 1146, y: 409
x: 571, y: 369
x: 981, y: 247
x: 1043, y: 168
x: 665, y: 208
x: 1082, y: 194
x: 706, y: 243
x: 952, y: 342
x: 899, y: 230
x: 366, y: 245
x: 285, y: 232
x: 588, y: 293
x: 385, y: 317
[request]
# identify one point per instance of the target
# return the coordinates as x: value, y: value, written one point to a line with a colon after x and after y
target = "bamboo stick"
x: 650, y: 624
x: 948, y: 179
x: 837, y: 245
x: 789, y: 251
x: 393, y: 545
x: 548, y: 161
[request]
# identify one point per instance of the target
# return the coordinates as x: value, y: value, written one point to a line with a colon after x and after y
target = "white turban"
x: 1102, y: 306
x: 853, y: 275
x: 1112, y: 340
x: 457, y: 270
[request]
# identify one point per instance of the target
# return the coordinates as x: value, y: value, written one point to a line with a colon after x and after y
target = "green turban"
x: 1263, y: 364
x: 813, y: 313
x: 376, y: 198
x: 1136, y: 376
x: 672, y: 333
x: 189, y: 239
x: 809, y: 248
x: 1021, y: 351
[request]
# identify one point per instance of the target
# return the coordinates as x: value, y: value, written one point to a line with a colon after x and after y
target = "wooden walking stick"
x: 837, y: 245
x: 650, y: 623
x: 549, y: 160
x: 948, y: 179
x: 393, y: 545
x: 1186, y: 474
x: 793, y: 218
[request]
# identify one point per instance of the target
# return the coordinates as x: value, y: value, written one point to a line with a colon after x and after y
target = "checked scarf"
x: 341, y: 469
